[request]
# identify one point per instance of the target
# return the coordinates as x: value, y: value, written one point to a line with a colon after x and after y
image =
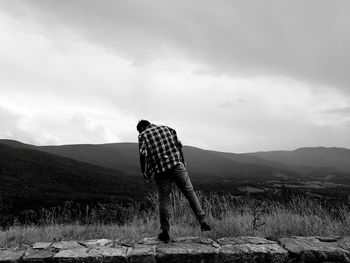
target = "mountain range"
x: 32, y: 175
x: 312, y: 156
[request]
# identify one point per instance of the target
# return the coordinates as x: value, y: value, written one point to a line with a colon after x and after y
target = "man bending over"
x: 161, y: 151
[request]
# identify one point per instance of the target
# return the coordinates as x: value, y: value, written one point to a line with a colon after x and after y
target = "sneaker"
x: 205, y: 227
x: 164, y: 237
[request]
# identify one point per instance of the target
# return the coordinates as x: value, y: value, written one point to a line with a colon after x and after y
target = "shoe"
x: 164, y: 237
x: 205, y: 227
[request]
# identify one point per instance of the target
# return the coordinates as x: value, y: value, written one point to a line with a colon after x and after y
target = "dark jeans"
x: 179, y: 175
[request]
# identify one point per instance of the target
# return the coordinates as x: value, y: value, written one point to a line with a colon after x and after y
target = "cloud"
x: 47, y: 128
x: 54, y: 80
x: 342, y: 111
x: 9, y: 123
x: 296, y: 39
x: 226, y: 75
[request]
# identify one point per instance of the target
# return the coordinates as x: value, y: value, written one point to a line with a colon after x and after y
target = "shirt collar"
x: 151, y: 125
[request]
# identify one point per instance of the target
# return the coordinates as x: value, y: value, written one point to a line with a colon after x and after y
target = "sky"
x: 235, y: 76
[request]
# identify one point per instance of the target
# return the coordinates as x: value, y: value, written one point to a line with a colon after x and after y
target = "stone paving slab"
x: 62, y: 245
x: 103, y: 254
x: 38, y: 255
x: 142, y: 253
x: 185, y: 252
x: 199, y: 240
x: 188, y: 249
x: 316, y: 249
x: 10, y: 256
x: 251, y: 249
x: 96, y: 242
x: 243, y: 249
x: 149, y: 241
x: 42, y: 245
x: 244, y: 240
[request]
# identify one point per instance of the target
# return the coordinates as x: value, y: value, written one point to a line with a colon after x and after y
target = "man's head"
x: 142, y: 125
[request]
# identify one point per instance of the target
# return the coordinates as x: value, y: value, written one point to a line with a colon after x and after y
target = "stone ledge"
x: 186, y: 249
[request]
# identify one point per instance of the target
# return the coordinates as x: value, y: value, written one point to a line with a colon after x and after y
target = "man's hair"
x: 142, y: 124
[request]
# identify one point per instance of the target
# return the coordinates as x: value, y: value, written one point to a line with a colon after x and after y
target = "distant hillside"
x: 301, y: 163
x: 312, y: 156
x: 121, y: 156
x: 201, y: 163
x: 32, y: 177
x: 217, y: 164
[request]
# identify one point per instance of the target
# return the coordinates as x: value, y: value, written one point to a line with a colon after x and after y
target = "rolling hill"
x: 300, y: 163
x: 32, y: 178
x: 43, y: 176
x: 310, y: 156
x: 201, y: 163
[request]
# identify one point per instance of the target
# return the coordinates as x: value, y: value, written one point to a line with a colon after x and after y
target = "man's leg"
x: 183, y: 181
x: 164, y: 188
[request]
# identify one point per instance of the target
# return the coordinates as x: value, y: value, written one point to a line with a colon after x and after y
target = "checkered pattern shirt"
x: 160, y: 146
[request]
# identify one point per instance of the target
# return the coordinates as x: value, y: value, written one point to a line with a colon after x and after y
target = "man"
x: 161, y: 151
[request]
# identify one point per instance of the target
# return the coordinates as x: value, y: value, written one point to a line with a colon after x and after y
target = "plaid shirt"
x: 160, y: 146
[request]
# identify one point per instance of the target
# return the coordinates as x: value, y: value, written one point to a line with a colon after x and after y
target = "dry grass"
x: 227, y: 215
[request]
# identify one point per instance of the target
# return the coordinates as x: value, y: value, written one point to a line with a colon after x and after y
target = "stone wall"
x: 186, y: 249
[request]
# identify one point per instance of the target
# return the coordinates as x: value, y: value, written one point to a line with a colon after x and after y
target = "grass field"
x: 228, y: 216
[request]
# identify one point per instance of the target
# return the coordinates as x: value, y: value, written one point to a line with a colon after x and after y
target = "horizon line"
x: 213, y: 150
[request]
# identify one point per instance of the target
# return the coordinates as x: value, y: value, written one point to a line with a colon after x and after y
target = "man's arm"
x: 143, y: 163
x: 143, y: 157
x: 178, y: 145
x: 182, y: 155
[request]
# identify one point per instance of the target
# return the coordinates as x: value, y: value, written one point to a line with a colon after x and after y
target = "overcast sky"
x: 235, y: 76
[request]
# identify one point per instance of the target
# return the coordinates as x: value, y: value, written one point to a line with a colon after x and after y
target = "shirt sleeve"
x: 176, y: 139
x: 142, y: 146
